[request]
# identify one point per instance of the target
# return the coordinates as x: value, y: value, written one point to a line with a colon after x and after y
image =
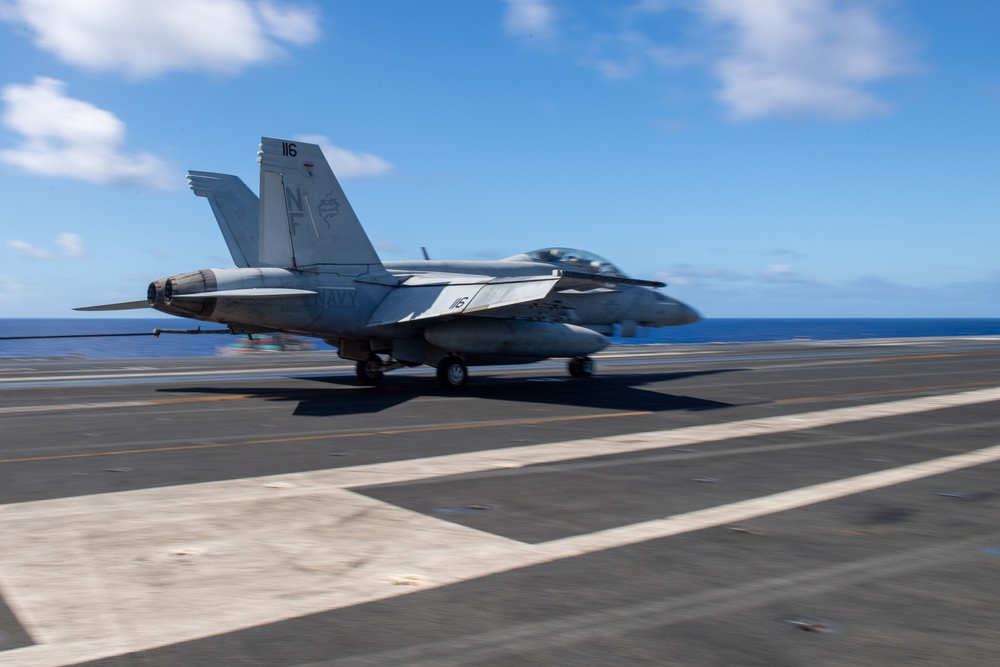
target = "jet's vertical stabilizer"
x: 233, y: 204
x: 305, y: 219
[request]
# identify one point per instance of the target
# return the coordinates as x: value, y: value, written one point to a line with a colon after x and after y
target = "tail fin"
x: 236, y: 210
x: 305, y: 219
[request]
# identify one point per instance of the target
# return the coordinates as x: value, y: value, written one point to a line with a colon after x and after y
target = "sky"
x: 765, y: 158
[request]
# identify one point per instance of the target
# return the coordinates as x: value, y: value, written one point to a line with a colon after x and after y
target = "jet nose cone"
x: 687, y: 314
x: 674, y: 313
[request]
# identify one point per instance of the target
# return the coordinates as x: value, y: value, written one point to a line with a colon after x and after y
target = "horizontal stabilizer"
x: 405, y: 304
x: 248, y: 293
x: 128, y: 305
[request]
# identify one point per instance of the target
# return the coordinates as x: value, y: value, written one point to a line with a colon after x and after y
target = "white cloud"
x: 771, y: 57
x: 288, y: 23
x: 787, y: 253
x: 630, y: 51
x: 147, y: 37
x: 387, y: 247
x: 780, y: 272
x: 802, y: 57
x: 530, y: 18
x: 62, y: 136
x: 618, y: 69
x: 348, y: 164
x: 28, y: 250
x: 781, y: 290
x: 669, y: 57
x: 785, y: 273
x: 713, y: 278
x: 685, y: 274
x: 70, y: 245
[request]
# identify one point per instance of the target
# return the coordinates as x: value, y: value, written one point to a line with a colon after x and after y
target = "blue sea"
x: 719, y: 330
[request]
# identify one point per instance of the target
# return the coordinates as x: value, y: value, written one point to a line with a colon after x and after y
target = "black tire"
x: 369, y: 372
x: 452, y: 373
x: 581, y: 367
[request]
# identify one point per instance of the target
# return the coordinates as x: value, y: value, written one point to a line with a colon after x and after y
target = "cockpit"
x: 573, y: 259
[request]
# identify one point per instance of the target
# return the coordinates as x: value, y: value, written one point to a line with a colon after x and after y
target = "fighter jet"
x: 306, y: 266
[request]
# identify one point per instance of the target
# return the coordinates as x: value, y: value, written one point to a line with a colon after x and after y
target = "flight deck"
x: 798, y: 503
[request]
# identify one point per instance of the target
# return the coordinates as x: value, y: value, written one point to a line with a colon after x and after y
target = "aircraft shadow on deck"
x: 608, y: 392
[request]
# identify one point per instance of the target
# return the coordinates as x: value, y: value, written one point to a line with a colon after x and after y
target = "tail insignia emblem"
x: 329, y: 208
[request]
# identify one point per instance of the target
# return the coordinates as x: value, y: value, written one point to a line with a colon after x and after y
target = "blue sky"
x: 766, y: 158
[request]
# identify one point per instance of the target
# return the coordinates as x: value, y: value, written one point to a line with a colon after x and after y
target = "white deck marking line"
x: 130, y: 571
x: 129, y: 376
x: 27, y: 409
x: 756, y: 507
x: 470, y: 462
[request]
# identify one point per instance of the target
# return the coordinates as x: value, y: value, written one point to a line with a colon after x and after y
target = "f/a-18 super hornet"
x: 306, y: 266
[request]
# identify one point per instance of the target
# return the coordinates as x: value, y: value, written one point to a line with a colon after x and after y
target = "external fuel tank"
x: 504, y: 337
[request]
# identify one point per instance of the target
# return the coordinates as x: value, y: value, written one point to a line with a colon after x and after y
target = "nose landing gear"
x: 581, y: 367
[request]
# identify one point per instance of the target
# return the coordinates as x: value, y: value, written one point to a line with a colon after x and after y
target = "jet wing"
x: 427, y: 296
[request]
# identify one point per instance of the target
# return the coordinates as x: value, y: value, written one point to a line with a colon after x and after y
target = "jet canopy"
x: 574, y: 259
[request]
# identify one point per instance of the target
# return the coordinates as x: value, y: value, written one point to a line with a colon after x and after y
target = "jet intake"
x: 515, y: 338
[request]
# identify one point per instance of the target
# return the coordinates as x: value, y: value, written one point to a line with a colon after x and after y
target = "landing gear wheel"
x: 369, y: 372
x: 581, y: 367
x: 452, y: 373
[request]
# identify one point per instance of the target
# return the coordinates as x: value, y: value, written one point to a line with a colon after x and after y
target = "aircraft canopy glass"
x: 577, y: 260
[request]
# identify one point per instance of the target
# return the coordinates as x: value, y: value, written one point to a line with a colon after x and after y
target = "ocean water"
x: 720, y: 330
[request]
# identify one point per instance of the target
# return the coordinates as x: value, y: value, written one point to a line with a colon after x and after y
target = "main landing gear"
x: 452, y: 373
x: 581, y: 367
x: 370, y: 371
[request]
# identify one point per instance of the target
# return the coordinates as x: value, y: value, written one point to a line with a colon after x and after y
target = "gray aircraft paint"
x: 306, y: 266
